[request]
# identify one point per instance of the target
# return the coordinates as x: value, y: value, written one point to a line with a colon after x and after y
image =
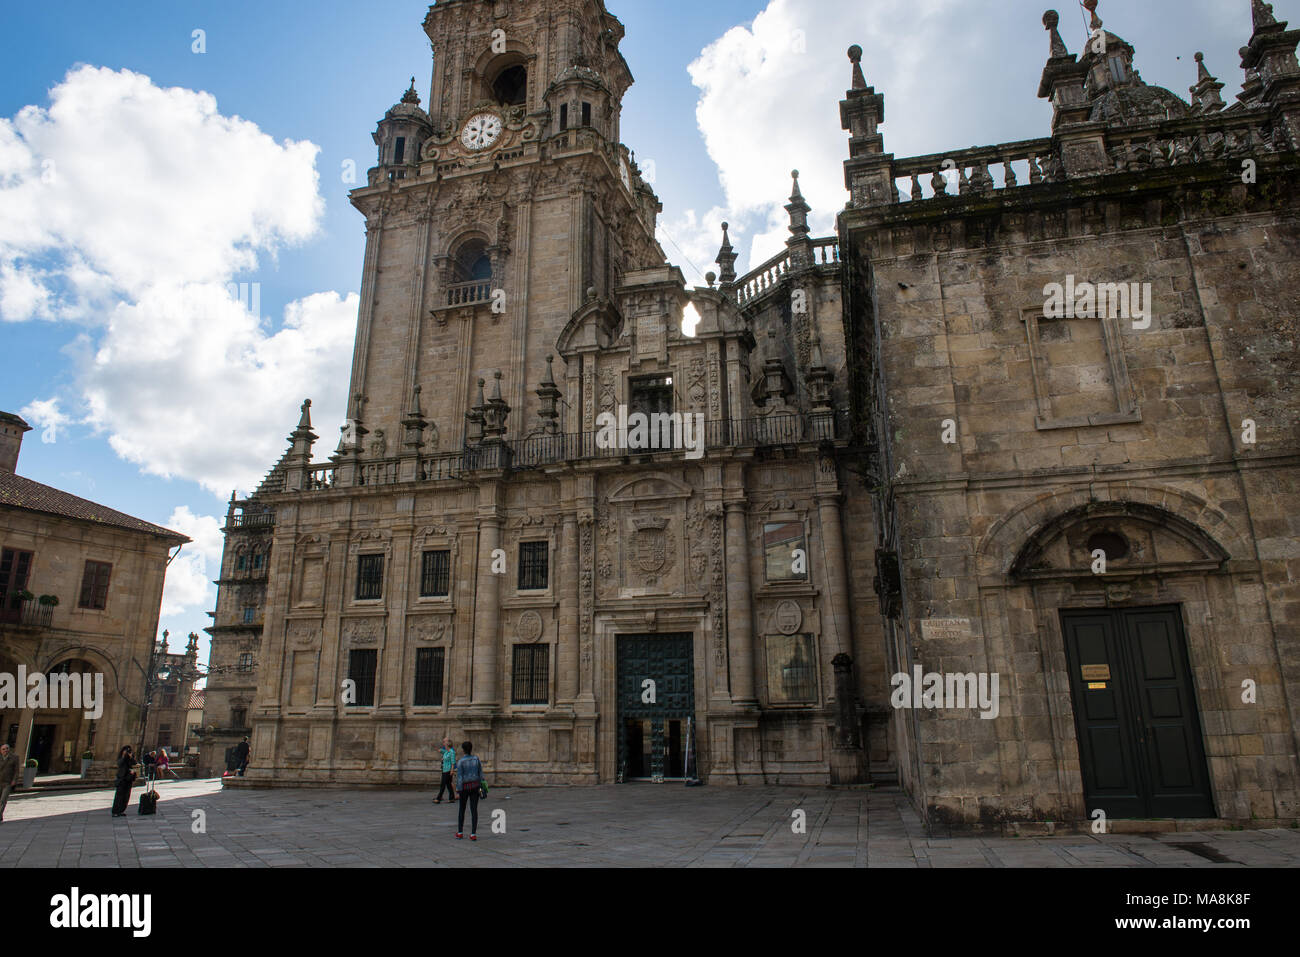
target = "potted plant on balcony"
x: 29, y: 773
x: 23, y: 595
x: 50, y: 601
x: 87, y: 759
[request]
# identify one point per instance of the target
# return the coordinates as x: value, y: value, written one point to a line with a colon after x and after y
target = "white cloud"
x: 189, y: 576
x: 128, y: 208
x: 188, y: 383
x: 770, y: 92
x: 130, y: 184
x: 46, y: 416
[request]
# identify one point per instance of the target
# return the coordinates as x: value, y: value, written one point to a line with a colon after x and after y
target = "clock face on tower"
x: 481, y: 131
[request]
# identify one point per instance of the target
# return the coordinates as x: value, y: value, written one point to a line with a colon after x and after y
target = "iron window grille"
x: 435, y: 575
x: 428, y: 677
x: 533, y: 567
x: 531, y: 674
x: 792, y: 669
x: 245, y: 662
x: 370, y: 577
x: 94, y: 585
x: 361, y: 670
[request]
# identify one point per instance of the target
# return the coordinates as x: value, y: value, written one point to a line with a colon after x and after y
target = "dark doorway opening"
x: 656, y: 702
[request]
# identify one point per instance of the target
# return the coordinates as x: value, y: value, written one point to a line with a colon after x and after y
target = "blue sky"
x: 730, y: 95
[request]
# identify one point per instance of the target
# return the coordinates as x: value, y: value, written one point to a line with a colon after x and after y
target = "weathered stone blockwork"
x: 1011, y: 439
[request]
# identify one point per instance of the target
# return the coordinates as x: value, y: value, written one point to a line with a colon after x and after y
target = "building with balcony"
x: 80, y: 592
x: 1079, y: 354
x: 500, y: 546
x: 615, y: 528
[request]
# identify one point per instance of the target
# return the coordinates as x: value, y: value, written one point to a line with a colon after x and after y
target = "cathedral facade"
x: 602, y: 546
x: 615, y: 528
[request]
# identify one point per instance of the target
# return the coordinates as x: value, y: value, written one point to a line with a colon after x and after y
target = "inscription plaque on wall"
x: 945, y: 629
x: 1096, y: 672
x: 649, y: 335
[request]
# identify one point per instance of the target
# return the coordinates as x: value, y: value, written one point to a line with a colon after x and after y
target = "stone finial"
x: 549, y: 394
x: 1205, y: 94
x: 726, y: 258
x: 1201, y: 72
x: 304, y: 421
x: 855, y: 55
x: 1091, y: 7
x: 798, y: 209
x: 410, y: 96
x: 1052, y: 20
x: 495, y: 411
x: 710, y: 278
x: 1261, y: 14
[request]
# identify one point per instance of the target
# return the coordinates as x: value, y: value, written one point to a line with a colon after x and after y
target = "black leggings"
x: 122, y: 798
x: 468, y: 792
x: 446, y: 785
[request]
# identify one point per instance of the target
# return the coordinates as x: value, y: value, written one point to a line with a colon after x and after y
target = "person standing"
x: 469, y: 776
x: 11, y: 775
x: 448, y: 772
x: 241, y: 756
x: 150, y: 765
x: 125, y: 776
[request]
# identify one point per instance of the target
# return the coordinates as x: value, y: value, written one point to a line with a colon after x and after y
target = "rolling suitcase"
x: 149, y: 800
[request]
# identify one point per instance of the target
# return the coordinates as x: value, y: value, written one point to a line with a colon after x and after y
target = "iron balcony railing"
x: 253, y: 520
x: 539, y: 450
x: 28, y: 614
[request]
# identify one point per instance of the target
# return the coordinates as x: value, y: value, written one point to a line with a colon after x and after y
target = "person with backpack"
x: 469, y: 779
x: 448, y: 772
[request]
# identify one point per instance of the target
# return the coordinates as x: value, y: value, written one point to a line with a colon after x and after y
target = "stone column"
x: 740, y: 614
x: 840, y: 630
x: 487, y: 608
x: 566, y: 664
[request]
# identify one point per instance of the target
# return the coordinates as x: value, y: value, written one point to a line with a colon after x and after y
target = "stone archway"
x: 1169, y: 550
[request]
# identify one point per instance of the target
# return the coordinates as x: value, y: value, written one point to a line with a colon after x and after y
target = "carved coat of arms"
x: 650, y: 543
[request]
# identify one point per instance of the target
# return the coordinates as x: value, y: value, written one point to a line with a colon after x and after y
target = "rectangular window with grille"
x: 361, y: 669
x: 791, y: 669
x: 94, y: 585
x: 370, y: 577
x: 428, y: 677
x: 531, y: 674
x: 533, y: 568
x: 435, y: 574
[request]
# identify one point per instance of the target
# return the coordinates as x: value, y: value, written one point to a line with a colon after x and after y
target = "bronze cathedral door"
x: 656, y: 702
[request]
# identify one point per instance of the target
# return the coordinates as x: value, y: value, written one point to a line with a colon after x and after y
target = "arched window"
x: 472, y: 262
x: 510, y: 88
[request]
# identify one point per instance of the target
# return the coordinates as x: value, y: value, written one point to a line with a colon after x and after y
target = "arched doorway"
x: 61, y: 735
x: 1117, y: 585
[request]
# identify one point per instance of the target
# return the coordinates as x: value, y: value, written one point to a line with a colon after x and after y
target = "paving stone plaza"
x: 606, y: 826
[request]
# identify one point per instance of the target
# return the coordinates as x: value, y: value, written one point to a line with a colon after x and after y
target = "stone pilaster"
x: 568, y: 581
x: 740, y: 614
x: 487, y: 606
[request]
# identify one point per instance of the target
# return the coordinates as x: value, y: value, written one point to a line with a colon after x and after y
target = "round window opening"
x: 1112, y: 543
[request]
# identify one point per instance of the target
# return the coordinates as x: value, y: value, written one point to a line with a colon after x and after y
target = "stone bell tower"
x: 491, y: 218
